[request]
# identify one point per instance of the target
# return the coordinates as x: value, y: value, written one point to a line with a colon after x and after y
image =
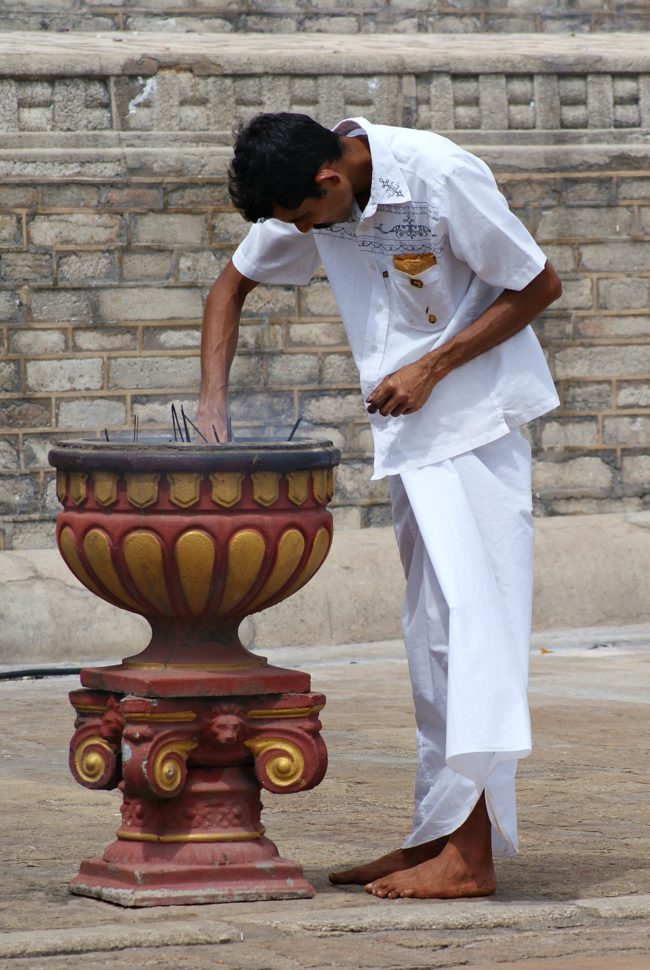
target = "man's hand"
x: 404, y: 391
x: 408, y: 389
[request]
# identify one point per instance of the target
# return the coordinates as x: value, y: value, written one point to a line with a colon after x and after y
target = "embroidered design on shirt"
x: 401, y: 228
x: 391, y: 188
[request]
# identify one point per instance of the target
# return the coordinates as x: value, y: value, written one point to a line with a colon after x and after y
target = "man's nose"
x: 303, y: 226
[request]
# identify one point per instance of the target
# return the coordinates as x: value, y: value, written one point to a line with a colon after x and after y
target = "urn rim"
x: 241, y: 455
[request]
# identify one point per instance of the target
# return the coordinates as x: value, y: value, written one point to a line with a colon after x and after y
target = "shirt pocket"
x: 420, y: 300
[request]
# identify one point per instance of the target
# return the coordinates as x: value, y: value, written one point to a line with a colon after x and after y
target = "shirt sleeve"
x: 483, y: 232
x: 277, y: 252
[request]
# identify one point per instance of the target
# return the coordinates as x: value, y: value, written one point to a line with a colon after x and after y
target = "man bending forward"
x: 436, y: 282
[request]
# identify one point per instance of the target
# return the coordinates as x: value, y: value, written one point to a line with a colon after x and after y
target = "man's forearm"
x: 218, y: 345
x: 510, y: 313
x: 408, y: 389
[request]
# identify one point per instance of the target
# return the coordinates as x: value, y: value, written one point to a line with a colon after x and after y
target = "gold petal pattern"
x: 319, y: 550
x: 289, y: 552
x: 68, y: 547
x: 184, y: 488
x: 195, y: 555
x: 245, y: 555
x: 143, y: 555
x: 142, y: 489
x: 105, y: 487
x: 98, y: 551
x: 298, y: 487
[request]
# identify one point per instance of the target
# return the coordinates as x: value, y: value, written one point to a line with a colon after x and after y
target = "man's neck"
x: 356, y: 163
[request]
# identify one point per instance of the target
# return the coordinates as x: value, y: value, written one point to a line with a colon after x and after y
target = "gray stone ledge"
x: 34, y: 54
x: 153, y: 162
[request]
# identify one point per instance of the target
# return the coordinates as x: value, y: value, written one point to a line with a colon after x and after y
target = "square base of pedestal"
x: 156, y: 885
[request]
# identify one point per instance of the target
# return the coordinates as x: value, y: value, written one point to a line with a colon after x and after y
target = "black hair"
x: 276, y: 160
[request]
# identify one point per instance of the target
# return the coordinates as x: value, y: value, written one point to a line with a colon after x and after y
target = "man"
x: 436, y: 282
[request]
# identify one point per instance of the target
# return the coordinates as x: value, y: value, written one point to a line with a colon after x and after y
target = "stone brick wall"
x: 115, y: 220
x: 327, y: 16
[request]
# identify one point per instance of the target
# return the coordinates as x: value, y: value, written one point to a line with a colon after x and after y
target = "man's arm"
x: 218, y: 345
x: 407, y: 389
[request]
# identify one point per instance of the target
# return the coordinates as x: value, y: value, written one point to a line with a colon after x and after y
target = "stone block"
x: 9, y: 458
x: 153, y: 372
x: 9, y: 376
x: 173, y: 338
x: 18, y: 495
x: 563, y: 433
x: 26, y: 267
x: 87, y: 268
x: 360, y: 441
x: 35, y: 452
x: 636, y: 471
x: 88, y: 412
x: 293, y: 369
x: 354, y: 484
x: 332, y: 408
x: 130, y: 197
x: 376, y: 516
x: 612, y: 328
x: 156, y: 409
x: 204, y: 196
x: 75, y: 229
x: 64, y: 374
x: 260, y: 336
x: 633, y: 394
x: 589, y: 191
x: 169, y: 229
x: 11, y: 231
x: 149, y: 303
x: 104, y: 339
x: 584, y: 222
x: 576, y: 477
x: 608, y: 361
x: 11, y: 307
x: 628, y: 189
x: 245, y: 372
x: 325, y: 334
x: 62, y: 306
x: 587, y: 396
x: 70, y: 196
x: 228, y: 227
x: 268, y: 408
x: 563, y: 258
x: 202, y: 266
x: 35, y: 342
x: 33, y: 535
x: 271, y: 301
x: 577, y: 294
x: 625, y: 256
x: 346, y: 516
x: 18, y: 196
x: 632, y: 431
x: 624, y: 293
x: 140, y: 266
x: 317, y: 299
x: 25, y: 412
x: 339, y: 369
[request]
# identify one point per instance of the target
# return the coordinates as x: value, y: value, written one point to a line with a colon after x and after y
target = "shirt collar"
x: 388, y: 186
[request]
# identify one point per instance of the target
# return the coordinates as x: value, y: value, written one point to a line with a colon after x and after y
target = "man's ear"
x: 324, y: 173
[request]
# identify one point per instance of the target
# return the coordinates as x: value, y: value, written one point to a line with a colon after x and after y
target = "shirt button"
x: 432, y: 318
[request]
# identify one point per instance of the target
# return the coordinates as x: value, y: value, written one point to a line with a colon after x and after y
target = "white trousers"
x: 465, y: 535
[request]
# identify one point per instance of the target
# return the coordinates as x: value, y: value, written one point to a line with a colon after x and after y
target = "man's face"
x: 334, y: 205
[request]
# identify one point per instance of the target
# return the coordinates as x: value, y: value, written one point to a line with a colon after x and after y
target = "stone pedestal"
x: 190, y: 771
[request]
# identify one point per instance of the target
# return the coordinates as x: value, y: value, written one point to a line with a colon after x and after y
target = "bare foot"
x: 463, y: 868
x: 446, y: 877
x: 391, y: 862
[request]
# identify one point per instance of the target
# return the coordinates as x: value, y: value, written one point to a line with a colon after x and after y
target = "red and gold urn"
x: 194, y: 538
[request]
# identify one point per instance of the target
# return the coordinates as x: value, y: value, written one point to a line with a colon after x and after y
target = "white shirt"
x: 428, y: 196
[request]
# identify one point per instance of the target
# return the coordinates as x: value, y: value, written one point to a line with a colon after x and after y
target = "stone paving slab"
x: 577, y: 896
